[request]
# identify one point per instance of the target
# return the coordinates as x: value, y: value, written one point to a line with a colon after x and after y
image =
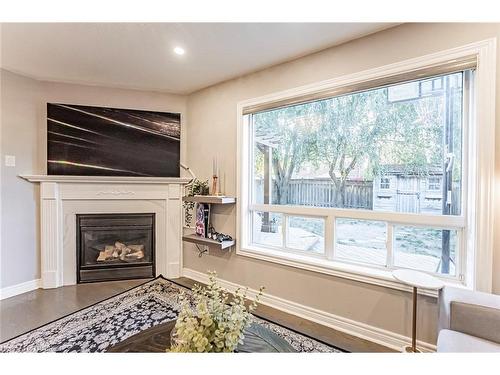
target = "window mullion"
x: 461, y: 266
x: 284, y: 230
x: 330, y: 237
x: 389, y: 245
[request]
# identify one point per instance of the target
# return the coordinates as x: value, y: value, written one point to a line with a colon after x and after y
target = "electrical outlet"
x: 10, y: 161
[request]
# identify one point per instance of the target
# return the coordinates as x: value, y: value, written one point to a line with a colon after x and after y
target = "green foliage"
x: 415, y: 141
x: 214, y: 323
x: 360, y: 131
x: 296, y: 137
x: 351, y: 130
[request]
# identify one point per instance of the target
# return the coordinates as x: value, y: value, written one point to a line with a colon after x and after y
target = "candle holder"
x: 215, y: 178
x: 215, y: 185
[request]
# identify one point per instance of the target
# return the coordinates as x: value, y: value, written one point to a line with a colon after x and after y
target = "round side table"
x: 416, y: 280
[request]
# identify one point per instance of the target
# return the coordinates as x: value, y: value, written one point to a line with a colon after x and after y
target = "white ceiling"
x: 139, y: 55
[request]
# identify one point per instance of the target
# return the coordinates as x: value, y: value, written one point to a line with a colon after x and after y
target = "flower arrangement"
x: 213, y: 324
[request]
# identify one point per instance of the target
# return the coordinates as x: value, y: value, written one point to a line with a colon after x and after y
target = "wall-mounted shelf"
x: 194, y: 238
x: 210, y: 199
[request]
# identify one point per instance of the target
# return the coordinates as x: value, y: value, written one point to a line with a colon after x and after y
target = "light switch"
x: 10, y: 161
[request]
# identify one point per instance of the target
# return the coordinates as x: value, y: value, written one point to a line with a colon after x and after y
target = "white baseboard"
x: 14, y: 290
x: 380, y: 336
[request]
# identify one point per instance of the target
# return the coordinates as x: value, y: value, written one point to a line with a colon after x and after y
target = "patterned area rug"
x: 95, y: 328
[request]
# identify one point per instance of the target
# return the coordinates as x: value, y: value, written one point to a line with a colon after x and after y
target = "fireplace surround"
x: 64, y: 197
x: 115, y: 246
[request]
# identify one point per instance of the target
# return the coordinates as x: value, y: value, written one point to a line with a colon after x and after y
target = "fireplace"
x: 115, y: 246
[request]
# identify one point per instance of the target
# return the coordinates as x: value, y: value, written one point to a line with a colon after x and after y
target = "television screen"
x: 98, y: 141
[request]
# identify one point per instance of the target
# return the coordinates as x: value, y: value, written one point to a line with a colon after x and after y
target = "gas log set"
x: 121, y: 252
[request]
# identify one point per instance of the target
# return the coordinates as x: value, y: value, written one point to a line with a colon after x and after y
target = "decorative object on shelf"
x: 208, y: 322
x: 202, y: 219
x: 216, y: 179
x: 196, y: 187
x: 215, y: 175
x: 216, y: 236
x: 211, y: 231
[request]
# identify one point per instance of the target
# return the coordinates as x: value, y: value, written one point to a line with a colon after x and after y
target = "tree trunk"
x: 282, y: 191
x: 282, y: 181
x: 342, y: 193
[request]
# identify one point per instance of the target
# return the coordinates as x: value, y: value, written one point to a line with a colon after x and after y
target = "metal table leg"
x: 413, y: 347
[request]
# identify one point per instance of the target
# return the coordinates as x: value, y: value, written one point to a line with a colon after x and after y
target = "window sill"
x: 358, y: 273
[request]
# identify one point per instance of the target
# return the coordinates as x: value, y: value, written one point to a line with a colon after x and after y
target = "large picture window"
x: 363, y: 174
x: 339, y: 153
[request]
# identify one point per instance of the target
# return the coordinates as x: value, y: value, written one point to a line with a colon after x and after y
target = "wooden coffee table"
x: 157, y: 339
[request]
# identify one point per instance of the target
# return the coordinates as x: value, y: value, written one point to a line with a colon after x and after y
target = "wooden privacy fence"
x: 321, y: 193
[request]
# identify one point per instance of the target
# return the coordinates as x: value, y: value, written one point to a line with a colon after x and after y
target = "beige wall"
x: 24, y: 134
x: 20, y: 116
x: 212, y: 121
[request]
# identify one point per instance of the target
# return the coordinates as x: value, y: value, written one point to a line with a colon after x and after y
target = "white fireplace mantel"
x: 105, y: 179
x: 62, y: 197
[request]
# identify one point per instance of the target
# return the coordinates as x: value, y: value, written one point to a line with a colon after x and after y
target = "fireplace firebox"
x: 115, y: 246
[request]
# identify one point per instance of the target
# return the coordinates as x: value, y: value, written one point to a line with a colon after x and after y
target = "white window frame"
x: 478, y: 190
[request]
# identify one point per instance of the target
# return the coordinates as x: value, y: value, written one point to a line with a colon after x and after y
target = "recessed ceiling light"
x: 179, y: 50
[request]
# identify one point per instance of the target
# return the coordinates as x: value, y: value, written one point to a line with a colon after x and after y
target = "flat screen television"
x: 100, y: 141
